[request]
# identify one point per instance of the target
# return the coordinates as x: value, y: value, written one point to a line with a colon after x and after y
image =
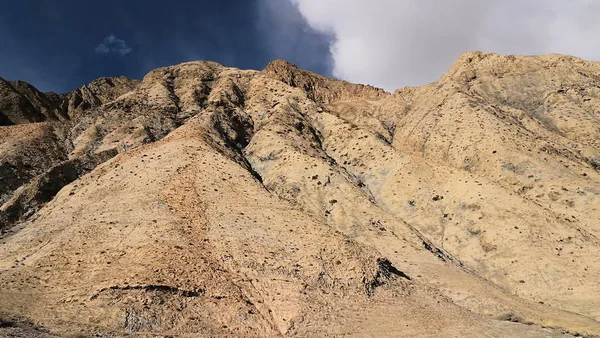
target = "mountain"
x: 207, y: 200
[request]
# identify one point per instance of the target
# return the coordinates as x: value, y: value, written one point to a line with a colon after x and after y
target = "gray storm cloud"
x: 394, y: 43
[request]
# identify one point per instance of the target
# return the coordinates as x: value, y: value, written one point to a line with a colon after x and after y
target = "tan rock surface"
x: 207, y: 200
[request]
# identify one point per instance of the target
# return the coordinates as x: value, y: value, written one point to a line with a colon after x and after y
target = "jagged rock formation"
x: 212, y: 200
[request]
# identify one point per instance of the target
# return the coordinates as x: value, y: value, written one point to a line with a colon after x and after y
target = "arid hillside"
x: 211, y: 201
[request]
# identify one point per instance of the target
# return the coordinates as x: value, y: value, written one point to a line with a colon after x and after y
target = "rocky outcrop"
x: 319, y: 88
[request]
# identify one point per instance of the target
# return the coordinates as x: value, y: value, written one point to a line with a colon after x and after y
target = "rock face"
x: 206, y: 200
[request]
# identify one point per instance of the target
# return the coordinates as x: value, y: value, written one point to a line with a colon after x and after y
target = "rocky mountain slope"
x: 207, y: 200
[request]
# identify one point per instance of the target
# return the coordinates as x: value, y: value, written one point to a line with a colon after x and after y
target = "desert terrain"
x: 211, y: 201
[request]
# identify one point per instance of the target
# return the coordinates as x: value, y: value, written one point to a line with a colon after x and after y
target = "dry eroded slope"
x: 217, y: 201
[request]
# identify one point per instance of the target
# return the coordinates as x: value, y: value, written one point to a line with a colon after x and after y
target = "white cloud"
x: 393, y: 43
x: 112, y: 44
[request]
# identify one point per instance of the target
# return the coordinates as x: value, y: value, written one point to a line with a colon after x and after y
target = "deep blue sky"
x: 56, y: 45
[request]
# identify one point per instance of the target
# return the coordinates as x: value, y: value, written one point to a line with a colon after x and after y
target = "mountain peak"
x: 281, y: 64
x: 320, y: 88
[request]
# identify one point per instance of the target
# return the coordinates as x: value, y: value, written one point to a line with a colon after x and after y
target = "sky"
x: 395, y: 43
x: 59, y: 45
x: 63, y: 44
